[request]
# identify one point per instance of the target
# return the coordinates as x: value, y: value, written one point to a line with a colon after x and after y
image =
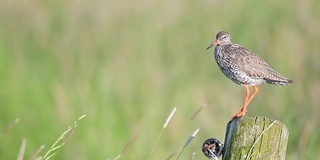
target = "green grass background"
x: 126, y: 64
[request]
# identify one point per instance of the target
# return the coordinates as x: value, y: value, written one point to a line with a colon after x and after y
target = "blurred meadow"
x: 126, y: 64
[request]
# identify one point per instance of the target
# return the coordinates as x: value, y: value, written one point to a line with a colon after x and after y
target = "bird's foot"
x: 239, y: 114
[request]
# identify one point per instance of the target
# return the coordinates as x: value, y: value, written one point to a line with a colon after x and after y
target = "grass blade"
x: 164, y: 126
x: 9, y: 127
x: 22, y: 149
x: 188, y: 142
x: 61, y: 141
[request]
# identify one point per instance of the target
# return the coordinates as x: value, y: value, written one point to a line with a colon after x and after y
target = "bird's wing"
x: 248, y: 62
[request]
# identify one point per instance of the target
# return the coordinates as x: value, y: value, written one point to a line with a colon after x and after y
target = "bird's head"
x: 222, y: 38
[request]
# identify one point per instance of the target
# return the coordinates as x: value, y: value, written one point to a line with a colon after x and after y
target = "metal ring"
x: 212, y: 148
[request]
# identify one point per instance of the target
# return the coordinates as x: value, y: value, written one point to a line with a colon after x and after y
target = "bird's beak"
x: 211, y: 45
x: 217, y: 42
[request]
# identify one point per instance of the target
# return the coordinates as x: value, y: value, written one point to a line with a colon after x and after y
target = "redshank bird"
x: 244, y: 67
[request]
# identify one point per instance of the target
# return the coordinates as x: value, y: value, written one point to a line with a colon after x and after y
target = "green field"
x: 126, y: 64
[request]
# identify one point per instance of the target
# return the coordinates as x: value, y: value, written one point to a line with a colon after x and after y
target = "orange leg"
x: 248, y: 99
x: 255, y: 91
x: 247, y: 96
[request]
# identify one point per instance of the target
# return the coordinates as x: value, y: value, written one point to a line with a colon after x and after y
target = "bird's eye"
x: 223, y: 37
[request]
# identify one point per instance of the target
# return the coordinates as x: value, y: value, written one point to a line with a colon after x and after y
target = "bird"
x: 244, y: 68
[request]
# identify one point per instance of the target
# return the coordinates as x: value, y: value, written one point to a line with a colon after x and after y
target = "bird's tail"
x: 284, y: 82
x: 277, y: 79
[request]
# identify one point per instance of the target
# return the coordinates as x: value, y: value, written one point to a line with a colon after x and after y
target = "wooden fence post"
x: 255, y: 138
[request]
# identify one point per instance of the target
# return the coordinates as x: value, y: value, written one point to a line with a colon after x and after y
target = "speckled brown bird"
x: 244, y: 67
